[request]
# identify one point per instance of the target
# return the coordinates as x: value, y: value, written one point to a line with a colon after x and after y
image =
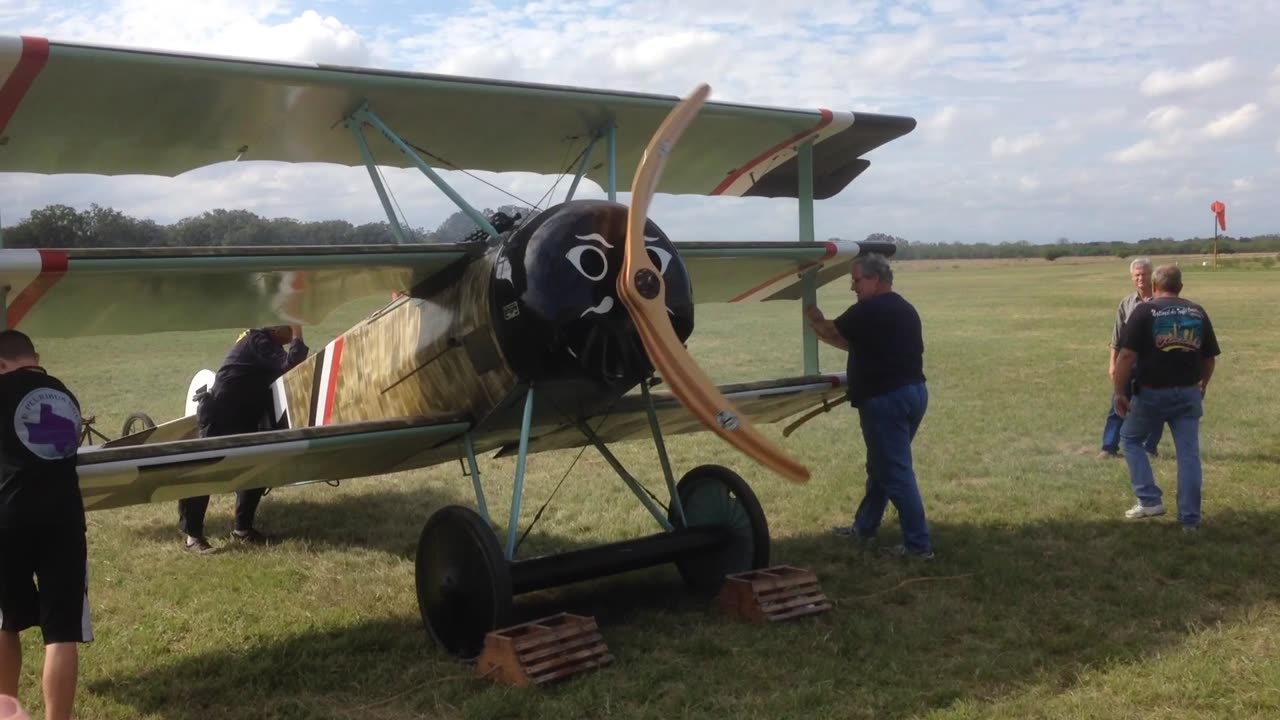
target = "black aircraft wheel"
x: 463, y: 580
x: 142, y: 420
x: 716, y: 495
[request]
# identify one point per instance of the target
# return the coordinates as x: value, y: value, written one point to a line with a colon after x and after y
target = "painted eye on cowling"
x: 589, y: 260
x: 660, y: 257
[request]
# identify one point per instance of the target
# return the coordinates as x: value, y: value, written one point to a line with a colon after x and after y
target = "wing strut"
x: 365, y: 115
x: 582, y: 167
x: 357, y: 129
x: 808, y: 281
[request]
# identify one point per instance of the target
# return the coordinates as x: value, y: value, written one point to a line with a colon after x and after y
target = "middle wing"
x: 172, y: 470
x: 64, y: 293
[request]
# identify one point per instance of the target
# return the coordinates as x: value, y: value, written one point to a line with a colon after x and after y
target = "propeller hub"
x: 648, y: 284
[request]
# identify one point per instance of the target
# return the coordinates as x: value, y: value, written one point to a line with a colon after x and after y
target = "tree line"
x: 1063, y: 247
x: 62, y: 226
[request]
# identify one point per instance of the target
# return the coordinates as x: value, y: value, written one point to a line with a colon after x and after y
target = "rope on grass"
x: 908, y: 582
x: 415, y: 688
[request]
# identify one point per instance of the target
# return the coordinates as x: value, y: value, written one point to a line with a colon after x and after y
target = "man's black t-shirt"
x: 1171, y: 336
x: 886, y: 345
x: 40, y: 424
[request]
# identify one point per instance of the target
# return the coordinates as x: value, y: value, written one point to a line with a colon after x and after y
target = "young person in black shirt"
x: 1172, y: 340
x: 882, y: 334
x: 43, y: 555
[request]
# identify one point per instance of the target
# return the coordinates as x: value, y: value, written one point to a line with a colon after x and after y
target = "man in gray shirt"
x: 1140, y: 270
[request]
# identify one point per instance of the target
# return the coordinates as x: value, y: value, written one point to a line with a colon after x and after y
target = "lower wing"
x: 167, y: 471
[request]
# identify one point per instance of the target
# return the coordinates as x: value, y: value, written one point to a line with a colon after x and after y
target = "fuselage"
x: 541, y: 308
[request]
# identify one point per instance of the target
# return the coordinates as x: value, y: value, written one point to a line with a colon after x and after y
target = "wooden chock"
x: 773, y: 594
x: 543, y: 650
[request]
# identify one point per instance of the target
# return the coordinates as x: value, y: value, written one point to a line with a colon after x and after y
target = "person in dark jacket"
x: 43, y: 552
x: 240, y: 402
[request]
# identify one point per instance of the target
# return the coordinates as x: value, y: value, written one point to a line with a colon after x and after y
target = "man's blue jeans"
x: 1182, y: 408
x: 1111, y: 432
x: 889, y: 422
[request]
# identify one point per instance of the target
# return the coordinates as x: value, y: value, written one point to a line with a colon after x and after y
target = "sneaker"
x: 901, y: 551
x: 847, y: 532
x: 1143, y: 511
x: 1108, y: 455
x: 1191, y: 529
x: 252, y: 537
x: 198, y: 545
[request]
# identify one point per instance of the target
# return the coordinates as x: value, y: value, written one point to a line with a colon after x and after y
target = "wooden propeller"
x: 642, y: 290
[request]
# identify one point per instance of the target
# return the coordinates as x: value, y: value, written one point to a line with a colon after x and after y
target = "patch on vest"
x: 47, y: 422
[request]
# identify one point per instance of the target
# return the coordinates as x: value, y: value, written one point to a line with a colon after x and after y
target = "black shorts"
x: 56, y: 562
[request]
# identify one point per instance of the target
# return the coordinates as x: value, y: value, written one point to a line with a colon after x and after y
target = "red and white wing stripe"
x: 28, y: 275
x: 837, y: 251
x: 742, y: 179
x: 21, y: 60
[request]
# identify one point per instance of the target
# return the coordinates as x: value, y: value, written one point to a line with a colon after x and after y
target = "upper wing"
x: 61, y: 293
x: 114, y: 477
x: 69, y: 107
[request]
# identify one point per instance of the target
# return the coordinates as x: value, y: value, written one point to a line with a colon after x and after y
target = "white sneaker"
x: 1142, y: 511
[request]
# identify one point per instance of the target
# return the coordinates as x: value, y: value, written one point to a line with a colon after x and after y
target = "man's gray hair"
x: 1168, y: 278
x: 1141, y: 262
x: 875, y: 264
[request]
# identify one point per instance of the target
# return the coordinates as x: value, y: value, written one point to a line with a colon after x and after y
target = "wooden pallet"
x: 773, y: 594
x: 543, y: 650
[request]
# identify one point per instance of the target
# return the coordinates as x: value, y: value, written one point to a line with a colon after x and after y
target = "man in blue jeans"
x: 1172, y: 339
x: 882, y: 334
x: 1140, y: 271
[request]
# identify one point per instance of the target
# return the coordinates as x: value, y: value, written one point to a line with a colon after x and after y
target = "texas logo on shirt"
x: 47, y: 422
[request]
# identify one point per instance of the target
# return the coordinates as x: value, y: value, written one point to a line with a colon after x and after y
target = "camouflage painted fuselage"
x: 434, y: 352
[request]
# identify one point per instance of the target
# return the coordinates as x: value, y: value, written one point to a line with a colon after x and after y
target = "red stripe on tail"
x: 334, y: 364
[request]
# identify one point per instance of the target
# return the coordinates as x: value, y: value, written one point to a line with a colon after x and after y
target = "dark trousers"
x: 191, y: 511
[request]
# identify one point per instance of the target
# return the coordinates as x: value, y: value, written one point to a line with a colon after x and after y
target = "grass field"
x: 1043, y: 602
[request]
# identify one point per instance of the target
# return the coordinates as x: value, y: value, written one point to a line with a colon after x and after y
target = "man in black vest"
x: 237, y: 403
x: 882, y: 334
x: 43, y: 554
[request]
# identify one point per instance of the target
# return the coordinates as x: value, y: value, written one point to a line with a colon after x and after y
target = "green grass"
x: 1043, y: 603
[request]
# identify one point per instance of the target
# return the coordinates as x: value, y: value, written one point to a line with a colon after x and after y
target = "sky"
x: 1037, y: 120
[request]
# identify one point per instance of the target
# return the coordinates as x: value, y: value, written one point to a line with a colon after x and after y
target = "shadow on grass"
x: 376, y: 519
x: 1003, y: 608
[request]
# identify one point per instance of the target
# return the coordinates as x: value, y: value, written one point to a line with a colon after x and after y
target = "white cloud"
x: 1242, y: 184
x: 1234, y: 123
x: 1116, y: 119
x: 938, y: 127
x: 1163, y: 82
x: 1002, y: 146
x: 1143, y: 151
x: 1165, y: 118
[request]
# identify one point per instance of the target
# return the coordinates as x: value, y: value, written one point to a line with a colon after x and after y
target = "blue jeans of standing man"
x: 889, y: 423
x: 1182, y: 408
x: 1111, y: 430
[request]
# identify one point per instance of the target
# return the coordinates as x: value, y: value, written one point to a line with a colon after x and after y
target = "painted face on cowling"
x: 561, y: 313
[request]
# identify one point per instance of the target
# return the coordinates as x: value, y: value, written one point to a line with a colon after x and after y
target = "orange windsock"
x: 1221, y: 211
